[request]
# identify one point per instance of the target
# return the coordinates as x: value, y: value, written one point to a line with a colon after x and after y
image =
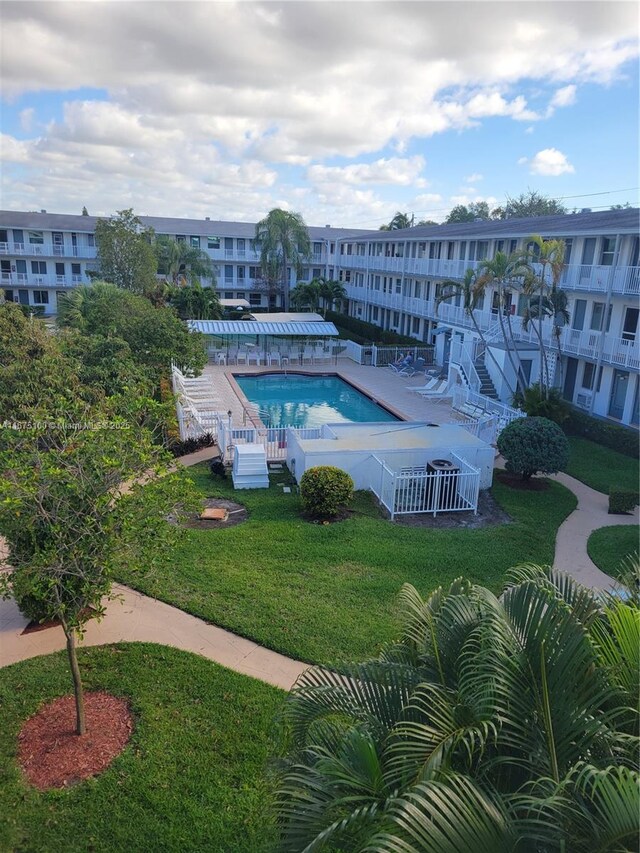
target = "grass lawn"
x: 609, y: 545
x: 600, y: 467
x: 191, y: 778
x: 320, y: 593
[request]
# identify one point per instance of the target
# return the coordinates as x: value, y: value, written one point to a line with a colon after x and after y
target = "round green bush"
x: 324, y: 490
x: 533, y: 446
x: 29, y: 603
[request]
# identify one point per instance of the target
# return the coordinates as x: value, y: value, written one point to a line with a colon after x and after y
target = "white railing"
x: 462, y: 356
x: 465, y: 401
x: 384, y: 356
x: 354, y: 351
x: 417, y: 490
x: 485, y: 428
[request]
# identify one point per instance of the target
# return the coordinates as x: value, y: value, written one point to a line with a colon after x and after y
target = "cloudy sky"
x: 344, y: 111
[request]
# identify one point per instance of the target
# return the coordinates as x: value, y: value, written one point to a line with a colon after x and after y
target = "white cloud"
x: 549, y: 162
x: 564, y: 97
x: 474, y: 178
x: 203, y: 108
x: 394, y: 170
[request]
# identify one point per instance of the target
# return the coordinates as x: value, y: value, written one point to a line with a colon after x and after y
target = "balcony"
x: 47, y: 250
x: 19, y: 279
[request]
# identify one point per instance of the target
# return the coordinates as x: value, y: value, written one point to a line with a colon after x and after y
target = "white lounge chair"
x: 421, y: 389
x: 438, y: 390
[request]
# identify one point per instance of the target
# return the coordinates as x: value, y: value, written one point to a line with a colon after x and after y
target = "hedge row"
x: 369, y: 331
x: 622, y: 500
x: 614, y: 436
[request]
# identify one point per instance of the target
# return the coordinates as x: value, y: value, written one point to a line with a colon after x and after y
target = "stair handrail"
x: 462, y: 356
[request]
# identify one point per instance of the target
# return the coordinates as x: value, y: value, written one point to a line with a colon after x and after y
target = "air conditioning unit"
x: 583, y: 400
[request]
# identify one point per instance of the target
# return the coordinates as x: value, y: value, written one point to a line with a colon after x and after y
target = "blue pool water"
x: 309, y: 401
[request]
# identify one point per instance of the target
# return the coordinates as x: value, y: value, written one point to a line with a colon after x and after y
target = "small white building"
x: 410, y: 467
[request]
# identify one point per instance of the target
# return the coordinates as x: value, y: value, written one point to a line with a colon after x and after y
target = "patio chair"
x: 241, y: 357
x: 421, y: 389
x: 307, y: 356
x: 253, y: 357
x: 438, y: 390
x: 274, y: 358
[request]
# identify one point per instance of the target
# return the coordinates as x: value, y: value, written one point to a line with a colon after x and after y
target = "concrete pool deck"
x: 379, y: 383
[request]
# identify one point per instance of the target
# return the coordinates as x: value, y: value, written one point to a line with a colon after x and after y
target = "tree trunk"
x: 516, y: 369
x: 81, y: 723
x: 285, y: 283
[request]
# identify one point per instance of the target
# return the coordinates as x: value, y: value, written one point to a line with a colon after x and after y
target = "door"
x: 74, y: 245
x: 57, y: 238
x: 630, y: 325
x: 5, y: 270
x: 23, y: 297
x: 570, y: 379
x: 618, y: 394
x: 588, y: 253
x: 447, y: 349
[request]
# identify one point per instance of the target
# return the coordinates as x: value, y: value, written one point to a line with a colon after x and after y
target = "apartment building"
x: 43, y: 254
x: 394, y: 279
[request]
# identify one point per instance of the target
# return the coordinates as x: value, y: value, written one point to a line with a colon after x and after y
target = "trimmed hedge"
x: 533, y: 445
x: 622, y: 500
x: 324, y: 490
x: 623, y: 439
x: 369, y: 331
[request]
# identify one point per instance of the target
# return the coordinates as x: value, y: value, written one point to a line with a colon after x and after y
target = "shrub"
x: 622, y: 500
x: 536, y: 404
x: 533, y: 445
x: 324, y: 490
x: 614, y: 436
x: 190, y: 445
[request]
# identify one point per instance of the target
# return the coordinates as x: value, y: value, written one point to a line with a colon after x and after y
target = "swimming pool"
x: 309, y: 401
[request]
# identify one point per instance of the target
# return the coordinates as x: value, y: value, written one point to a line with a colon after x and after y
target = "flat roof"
x: 370, y: 437
x: 235, y: 303
x: 255, y: 327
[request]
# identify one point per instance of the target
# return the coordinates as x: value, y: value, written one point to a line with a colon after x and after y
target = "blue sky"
x: 346, y: 112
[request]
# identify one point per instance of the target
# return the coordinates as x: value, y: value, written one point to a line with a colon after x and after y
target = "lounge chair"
x: 438, y: 390
x: 421, y: 389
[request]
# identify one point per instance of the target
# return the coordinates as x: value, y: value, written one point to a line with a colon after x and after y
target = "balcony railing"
x: 48, y: 250
x: 19, y: 279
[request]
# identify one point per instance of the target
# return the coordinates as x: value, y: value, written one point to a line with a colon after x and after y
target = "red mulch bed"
x: 52, y: 755
x: 515, y: 481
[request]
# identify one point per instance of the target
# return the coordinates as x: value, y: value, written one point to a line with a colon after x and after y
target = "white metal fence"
x: 417, y: 490
x: 273, y: 439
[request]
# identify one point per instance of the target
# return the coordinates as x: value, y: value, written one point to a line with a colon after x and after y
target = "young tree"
x: 194, y: 302
x: 306, y: 296
x: 69, y: 521
x: 85, y: 212
x: 399, y: 221
x: 125, y: 254
x: 283, y: 238
x: 330, y: 292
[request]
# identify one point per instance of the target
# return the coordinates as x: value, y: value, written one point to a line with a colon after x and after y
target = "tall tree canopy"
x: 155, y: 336
x: 468, y: 213
x: 282, y: 238
x: 181, y: 263
x: 400, y: 220
x: 531, y: 203
x: 125, y: 255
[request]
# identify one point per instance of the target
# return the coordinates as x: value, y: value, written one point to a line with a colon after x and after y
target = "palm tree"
x: 306, y: 296
x: 497, y: 724
x: 399, y: 221
x: 181, y: 263
x: 283, y: 238
x: 194, y: 302
x: 472, y: 291
x: 506, y: 273
x: 330, y: 292
x: 550, y: 257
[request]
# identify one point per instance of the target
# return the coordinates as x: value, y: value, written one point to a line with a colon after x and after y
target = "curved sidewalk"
x: 571, y: 540
x: 135, y: 617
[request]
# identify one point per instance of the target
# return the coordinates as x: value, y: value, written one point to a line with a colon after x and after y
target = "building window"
x: 40, y: 297
x: 375, y: 314
x: 396, y: 318
x: 75, y: 269
x: 608, y: 250
x: 38, y: 267
x: 415, y: 326
x: 213, y: 242
x: 228, y: 271
x: 254, y: 272
x: 588, y: 376
x: 228, y: 294
x: 240, y: 273
x: 630, y: 326
x: 195, y: 242
x: 91, y: 240
x: 316, y: 272
x: 8, y: 295
x: 36, y: 238
x: 60, y: 269
x: 240, y: 295
x: 181, y: 238
x: 255, y: 299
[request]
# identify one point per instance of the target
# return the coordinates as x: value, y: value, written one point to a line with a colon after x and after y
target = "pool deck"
x: 379, y: 383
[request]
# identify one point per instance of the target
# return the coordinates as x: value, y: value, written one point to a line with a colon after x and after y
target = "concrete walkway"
x: 571, y: 541
x: 136, y: 617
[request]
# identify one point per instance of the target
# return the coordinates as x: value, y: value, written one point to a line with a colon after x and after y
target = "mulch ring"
x: 237, y: 513
x: 490, y: 514
x: 52, y: 755
x: 515, y: 481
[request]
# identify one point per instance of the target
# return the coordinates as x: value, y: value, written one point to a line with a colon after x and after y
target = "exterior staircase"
x: 250, y: 467
x: 487, y: 388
